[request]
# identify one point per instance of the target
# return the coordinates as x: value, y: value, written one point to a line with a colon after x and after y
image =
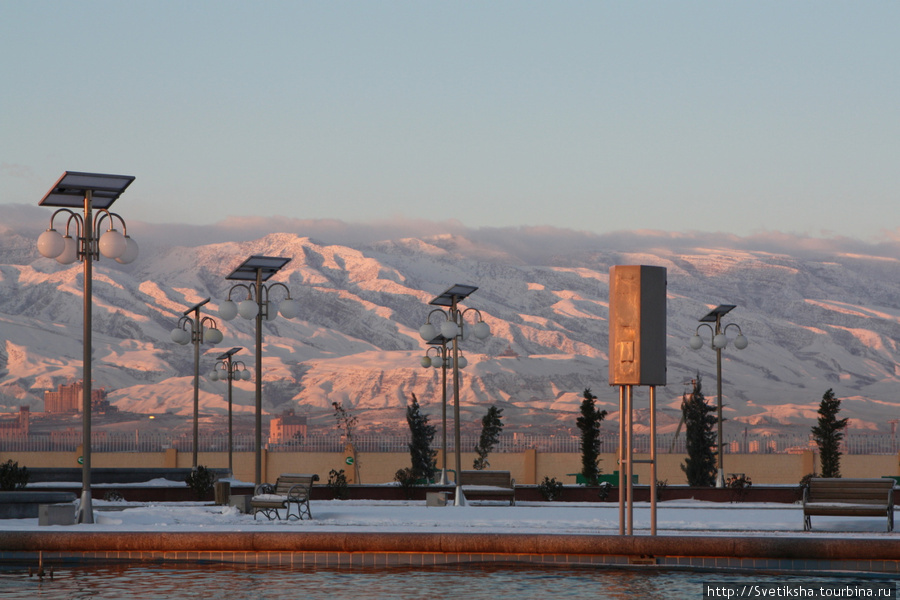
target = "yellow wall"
x: 528, y: 467
x: 128, y: 460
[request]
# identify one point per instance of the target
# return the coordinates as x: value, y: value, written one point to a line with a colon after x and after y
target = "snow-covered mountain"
x: 815, y: 320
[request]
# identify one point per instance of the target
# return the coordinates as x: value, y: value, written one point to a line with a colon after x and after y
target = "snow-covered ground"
x: 675, y: 517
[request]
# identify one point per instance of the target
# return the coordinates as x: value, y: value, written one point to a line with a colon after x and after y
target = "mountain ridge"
x: 815, y: 321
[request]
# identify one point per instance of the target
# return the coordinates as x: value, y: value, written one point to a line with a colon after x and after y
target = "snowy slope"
x: 815, y: 321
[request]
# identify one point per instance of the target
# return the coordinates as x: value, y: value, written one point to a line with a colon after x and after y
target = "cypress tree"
x: 700, y: 466
x: 828, y: 434
x: 491, y: 426
x: 421, y: 435
x: 589, y: 424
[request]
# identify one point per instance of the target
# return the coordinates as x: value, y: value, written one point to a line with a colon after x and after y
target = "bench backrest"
x: 285, y: 482
x: 492, y: 478
x: 855, y: 491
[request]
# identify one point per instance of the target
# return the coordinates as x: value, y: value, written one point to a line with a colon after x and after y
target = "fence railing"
x: 513, y: 442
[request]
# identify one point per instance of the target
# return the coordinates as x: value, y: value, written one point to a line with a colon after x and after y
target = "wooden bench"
x: 848, y: 498
x: 489, y: 485
x: 289, y: 490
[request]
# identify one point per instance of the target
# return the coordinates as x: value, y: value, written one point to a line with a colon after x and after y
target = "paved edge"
x: 781, y: 547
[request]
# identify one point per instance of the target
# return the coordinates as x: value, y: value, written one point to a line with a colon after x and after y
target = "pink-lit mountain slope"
x: 815, y: 321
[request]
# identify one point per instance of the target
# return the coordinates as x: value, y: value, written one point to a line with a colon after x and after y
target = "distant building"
x: 286, y: 427
x: 68, y: 399
x: 17, y: 426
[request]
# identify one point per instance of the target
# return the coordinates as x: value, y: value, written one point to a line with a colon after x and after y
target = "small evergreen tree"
x: 589, y: 424
x: 700, y: 466
x: 421, y: 435
x: 491, y: 426
x: 12, y: 476
x: 828, y: 434
x: 337, y: 483
x: 550, y: 488
x: 202, y: 481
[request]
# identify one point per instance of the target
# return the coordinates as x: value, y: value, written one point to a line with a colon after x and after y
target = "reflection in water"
x: 471, y: 582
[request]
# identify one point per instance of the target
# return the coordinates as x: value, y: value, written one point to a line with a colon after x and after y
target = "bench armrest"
x: 264, y: 488
x: 299, y: 492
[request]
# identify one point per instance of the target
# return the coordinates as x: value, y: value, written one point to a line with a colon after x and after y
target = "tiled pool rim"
x: 370, y: 549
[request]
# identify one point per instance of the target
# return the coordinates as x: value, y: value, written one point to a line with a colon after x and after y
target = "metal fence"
x: 513, y: 442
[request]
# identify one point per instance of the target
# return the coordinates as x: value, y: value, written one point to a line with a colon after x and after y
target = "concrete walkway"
x: 366, y: 534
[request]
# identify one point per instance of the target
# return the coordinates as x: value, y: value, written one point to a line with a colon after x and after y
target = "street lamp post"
x: 441, y: 360
x: 196, y: 329
x: 454, y: 328
x: 718, y: 342
x: 228, y: 369
x: 88, y: 191
x: 256, y: 270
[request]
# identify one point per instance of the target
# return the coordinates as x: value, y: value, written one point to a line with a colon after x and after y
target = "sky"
x: 732, y: 117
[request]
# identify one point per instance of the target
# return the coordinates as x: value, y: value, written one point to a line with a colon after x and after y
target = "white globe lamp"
x: 248, y: 309
x: 289, y: 308
x: 112, y: 244
x: 51, y: 244
x: 180, y: 336
x: 130, y: 253
x: 696, y: 342
x: 228, y: 310
x: 427, y: 332
x: 70, y: 251
x: 449, y: 329
x: 212, y: 336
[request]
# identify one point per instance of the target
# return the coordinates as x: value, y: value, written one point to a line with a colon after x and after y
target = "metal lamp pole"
x: 458, y: 498
x: 86, y: 508
x: 257, y: 440
x: 201, y: 329
x: 233, y: 370
x: 452, y: 329
x: 87, y: 191
x: 719, y: 341
x: 257, y: 270
x: 720, y: 473
x: 440, y: 344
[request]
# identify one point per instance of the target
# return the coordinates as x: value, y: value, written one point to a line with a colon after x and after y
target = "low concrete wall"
x: 361, y: 548
x: 471, y: 543
x: 122, y: 474
x: 25, y: 504
x: 528, y: 467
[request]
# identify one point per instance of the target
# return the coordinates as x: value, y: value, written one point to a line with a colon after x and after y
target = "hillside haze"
x: 815, y: 320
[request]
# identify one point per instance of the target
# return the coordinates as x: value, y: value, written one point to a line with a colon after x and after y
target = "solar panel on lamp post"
x: 256, y: 270
x: 88, y: 192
